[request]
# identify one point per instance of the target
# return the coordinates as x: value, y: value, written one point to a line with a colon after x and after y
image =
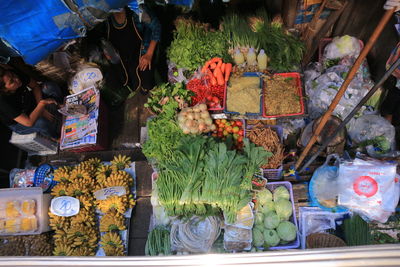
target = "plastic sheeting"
x: 34, y: 29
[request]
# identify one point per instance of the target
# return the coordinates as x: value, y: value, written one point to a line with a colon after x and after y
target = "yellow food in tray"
x: 12, y: 226
x: 12, y: 209
x: 29, y: 224
x: 28, y: 207
x: 2, y: 225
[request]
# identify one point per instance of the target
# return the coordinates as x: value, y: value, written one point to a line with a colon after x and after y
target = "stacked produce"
x: 269, y: 139
x: 230, y: 129
x: 272, y: 225
x: 194, y: 43
x: 195, y: 120
x: 79, y: 235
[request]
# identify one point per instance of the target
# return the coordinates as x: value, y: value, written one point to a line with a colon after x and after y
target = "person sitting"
x: 23, y: 103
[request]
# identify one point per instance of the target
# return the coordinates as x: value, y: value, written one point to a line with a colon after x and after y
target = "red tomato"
x: 240, y: 139
x: 229, y: 129
x: 225, y: 132
x: 223, y: 121
x: 217, y: 121
x: 215, y: 99
x: 220, y: 134
x: 240, y: 132
x: 209, y: 98
x: 239, y: 123
x: 235, y: 129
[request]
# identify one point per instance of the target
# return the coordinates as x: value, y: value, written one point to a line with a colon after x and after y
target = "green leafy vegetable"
x: 287, y: 231
x: 271, y: 220
x: 284, y: 209
x: 271, y: 238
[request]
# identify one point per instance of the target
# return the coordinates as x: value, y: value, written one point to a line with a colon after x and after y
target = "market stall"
x: 223, y: 141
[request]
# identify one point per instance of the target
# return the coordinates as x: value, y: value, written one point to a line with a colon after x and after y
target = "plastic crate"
x: 34, y: 144
x: 295, y: 243
x: 272, y: 174
x: 249, y: 74
x: 296, y: 76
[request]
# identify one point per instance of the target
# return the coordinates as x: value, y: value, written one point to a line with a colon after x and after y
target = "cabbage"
x: 287, y: 231
x: 260, y: 227
x: 258, y: 238
x: 271, y: 220
x: 281, y: 193
x: 259, y: 218
x: 284, y: 209
x: 264, y: 196
x: 271, y: 238
x: 268, y: 207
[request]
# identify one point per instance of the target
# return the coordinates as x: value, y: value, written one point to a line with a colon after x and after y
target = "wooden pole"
x: 378, y: 30
x: 289, y: 12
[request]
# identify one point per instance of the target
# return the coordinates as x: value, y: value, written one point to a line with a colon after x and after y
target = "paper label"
x: 219, y: 116
x: 104, y: 193
x: 65, y: 206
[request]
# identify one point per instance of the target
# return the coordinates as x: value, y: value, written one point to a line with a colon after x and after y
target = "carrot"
x: 215, y: 59
x: 228, y: 69
x: 219, y: 63
x: 211, y: 76
x: 223, y: 68
x: 219, y: 76
x: 213, y: 65
x: 206, y: 65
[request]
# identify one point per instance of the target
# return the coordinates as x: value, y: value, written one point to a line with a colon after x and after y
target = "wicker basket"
x: 322, y: 240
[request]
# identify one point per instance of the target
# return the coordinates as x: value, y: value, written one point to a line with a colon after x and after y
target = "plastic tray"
x: 42, y: 202
x: 271, y: 174
x: 296, y: 76
x: 249, y: 74
x: 295, y: 243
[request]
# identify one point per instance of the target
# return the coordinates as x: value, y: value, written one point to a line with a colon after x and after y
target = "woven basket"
x: 322, y: 240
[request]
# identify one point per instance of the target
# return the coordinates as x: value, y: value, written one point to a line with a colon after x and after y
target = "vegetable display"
x: 194, y: 43
x: 272, y: 218
x: 230, y: 129
x: 195, y: 120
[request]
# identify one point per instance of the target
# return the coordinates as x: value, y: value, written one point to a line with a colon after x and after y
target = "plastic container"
x: 295, y: 243
x: 272, y: 174
x: 238, y: 57
x: 32, y: 195
x: 249, y: 74
x: 44, y: 177
x: 296, y: 76
x: 34, y: 144
x: 223, y: 102
x: 251, y: 57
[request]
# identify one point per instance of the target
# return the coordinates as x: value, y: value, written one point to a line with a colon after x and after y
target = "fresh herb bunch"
x: 158, y: 242
x: 165, y: 93
x: 164, y: 134
x: 194, y: 43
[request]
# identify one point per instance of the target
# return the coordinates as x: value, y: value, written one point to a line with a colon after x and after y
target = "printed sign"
x: 365, y: 186
x: 64, y: 206
x: 110, y: 191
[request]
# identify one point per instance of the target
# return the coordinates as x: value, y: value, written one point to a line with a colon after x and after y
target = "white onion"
x: 203, y: 107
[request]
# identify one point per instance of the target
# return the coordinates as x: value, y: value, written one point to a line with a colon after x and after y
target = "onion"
x: 194, y: 130
x: 196, y: 109
x: 197, y: 116
x: 208, y: 121
x: 190, y: 116
x: 213, y: 127
x: 185, y: 130
x: 202, y: 127
x: 189, y: 123
x: 203, y: 107
x: 204, y: 114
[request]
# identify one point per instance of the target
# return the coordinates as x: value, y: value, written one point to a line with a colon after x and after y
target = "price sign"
x: 110, y: 191
x: 65, y: 206
x: 219, y: 116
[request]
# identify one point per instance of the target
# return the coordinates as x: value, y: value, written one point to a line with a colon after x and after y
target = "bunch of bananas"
x: 121, y: 162
x: 78, y: 235
x: 112, y: 244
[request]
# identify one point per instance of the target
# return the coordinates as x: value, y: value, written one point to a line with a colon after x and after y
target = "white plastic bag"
x: 369, y: 188
x: 341, y: 47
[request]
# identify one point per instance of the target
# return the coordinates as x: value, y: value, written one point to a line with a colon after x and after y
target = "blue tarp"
x: 34, y: 29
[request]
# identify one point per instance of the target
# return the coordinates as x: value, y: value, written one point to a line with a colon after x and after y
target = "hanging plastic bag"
x: 369, y: 188
x: 341, y: 47
x: 323, y: 187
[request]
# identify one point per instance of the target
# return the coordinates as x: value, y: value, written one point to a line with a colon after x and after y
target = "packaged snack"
x: 12, y: 226
x: 28, y: 207
x: 29, y: 224
x: 12, y: 209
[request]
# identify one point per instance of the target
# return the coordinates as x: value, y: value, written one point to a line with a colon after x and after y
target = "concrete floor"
x: 124, y: 127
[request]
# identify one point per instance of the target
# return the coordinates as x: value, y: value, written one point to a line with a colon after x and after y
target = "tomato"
x: 240, y: 139
x: 217, y: 121
x: 227, y: 124
x: 239, y: 123
x: 235, y: 136
x: 209, y: 98
x: 214, y: 135
x: 223, y: 121
x: 240, y: 132
x: 229, y: 129
x: 225, y: 132
x: 235, y: 129
x: 215, y: 99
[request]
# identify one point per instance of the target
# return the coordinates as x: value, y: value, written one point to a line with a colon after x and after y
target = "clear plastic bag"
x: 323, y: 186
x: 369, y: 188
x: 341, y: 47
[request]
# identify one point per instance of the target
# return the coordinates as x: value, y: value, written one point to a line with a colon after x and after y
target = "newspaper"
x: 79, y: 130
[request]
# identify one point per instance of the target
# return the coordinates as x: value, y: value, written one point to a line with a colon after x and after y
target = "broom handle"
x: 378, y: 30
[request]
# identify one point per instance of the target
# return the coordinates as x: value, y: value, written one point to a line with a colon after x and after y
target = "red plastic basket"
x: 296, y: 76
